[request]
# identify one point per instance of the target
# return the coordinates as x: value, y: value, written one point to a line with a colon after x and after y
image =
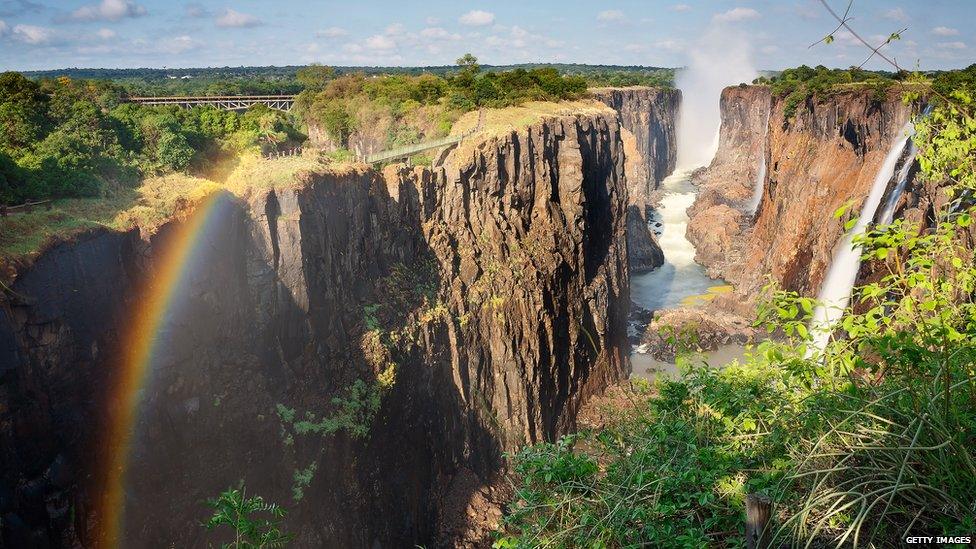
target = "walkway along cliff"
x: 359, y: 346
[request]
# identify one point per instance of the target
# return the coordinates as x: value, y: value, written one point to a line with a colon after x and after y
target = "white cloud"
x: 772, y: 48
x: 477, y: 18
x: 896, y: 14
x: 235, y: 19
x: 352, y: 48
x: 945, y: 31
x: 178, y: 44
x: 845, y: 39
x: 108, y: 10
x: 332, y: 32
x: 951, y: 45
x: 524, y: 43
x: 681, y: 7
x: 669, y: 45
x: 105, y: 34
x: 610, y: 15
x: 433, y: 21
x: 30, y: 34
x: 737, y: 14
x: 395, y: 29
x: 4, y: 28
x: 380, y: 42
x: 438, y: 33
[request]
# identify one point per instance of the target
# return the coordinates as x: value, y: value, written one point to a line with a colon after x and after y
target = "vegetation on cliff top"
x: 797, y: 85
x: 362, y: 113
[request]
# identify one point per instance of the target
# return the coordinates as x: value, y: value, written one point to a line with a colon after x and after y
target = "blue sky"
x: 46, y: 34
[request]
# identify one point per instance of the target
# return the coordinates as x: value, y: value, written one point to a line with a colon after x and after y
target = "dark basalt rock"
x: 525, y: 235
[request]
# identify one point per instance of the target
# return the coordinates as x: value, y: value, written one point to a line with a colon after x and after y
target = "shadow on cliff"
x: 275, y: 315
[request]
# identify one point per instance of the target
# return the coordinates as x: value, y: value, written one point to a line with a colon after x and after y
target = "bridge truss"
x: 225, y: 102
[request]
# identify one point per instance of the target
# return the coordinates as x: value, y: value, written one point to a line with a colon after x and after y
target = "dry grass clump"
x: 147, y: 207
x: 499, y: 122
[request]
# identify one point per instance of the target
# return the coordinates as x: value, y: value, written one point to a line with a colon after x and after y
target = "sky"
x: 52, y: 34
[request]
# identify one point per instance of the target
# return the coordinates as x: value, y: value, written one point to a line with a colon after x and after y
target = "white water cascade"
x: 888, y: 212
x: 835, y: 293
x: 757, y: 191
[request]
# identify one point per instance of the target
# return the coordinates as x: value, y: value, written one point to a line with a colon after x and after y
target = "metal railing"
x: 296, y: 151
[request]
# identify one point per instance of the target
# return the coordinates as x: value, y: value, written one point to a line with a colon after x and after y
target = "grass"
x: 671, y: 472
x: 147, y: 207
x: 257, y: 174
x: 499, y: 122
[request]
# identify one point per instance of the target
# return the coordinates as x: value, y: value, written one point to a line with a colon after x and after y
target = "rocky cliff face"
x: 649, y: 115
x: 826, y: 155
x: 493, y: 289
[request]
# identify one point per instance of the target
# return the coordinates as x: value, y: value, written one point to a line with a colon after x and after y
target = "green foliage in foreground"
x: 256, y: 524
x: 674, y: 472
x: 858, y: 443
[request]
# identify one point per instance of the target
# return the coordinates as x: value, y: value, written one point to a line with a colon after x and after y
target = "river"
x: 680, y: 282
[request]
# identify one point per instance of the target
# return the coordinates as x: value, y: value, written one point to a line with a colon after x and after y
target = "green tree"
x: 337, y: 121
x: 22, y: 112
x: 468, y: 62
x: 315, y: 77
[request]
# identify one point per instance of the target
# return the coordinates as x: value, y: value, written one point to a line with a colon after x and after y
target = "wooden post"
x: 758, y: 512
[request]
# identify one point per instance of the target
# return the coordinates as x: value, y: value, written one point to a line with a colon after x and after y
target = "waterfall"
x: 888, y: 212
x: 835, y: 292
x: 757, y: 191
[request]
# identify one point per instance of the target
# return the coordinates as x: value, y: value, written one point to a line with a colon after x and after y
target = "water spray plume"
x: 720, y: 58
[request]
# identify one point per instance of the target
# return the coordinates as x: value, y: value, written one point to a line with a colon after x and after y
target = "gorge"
x: 371, y: 342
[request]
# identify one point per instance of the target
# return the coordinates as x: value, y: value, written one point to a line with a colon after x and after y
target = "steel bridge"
x: 225, y: 102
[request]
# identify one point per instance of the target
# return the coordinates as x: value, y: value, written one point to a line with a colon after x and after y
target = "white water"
x: 680, y: 277
x: 835, y: 293
x: 719, y: 58
x: 757, y: 191
x: 888, y: 212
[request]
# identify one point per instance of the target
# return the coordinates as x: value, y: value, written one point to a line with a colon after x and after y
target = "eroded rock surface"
x: 824, y: 156
x: 674, y: 331
x: 648, y: 117
x: 496, y: 284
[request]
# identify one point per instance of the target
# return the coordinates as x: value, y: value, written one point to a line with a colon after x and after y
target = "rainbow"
x: 141, y: 341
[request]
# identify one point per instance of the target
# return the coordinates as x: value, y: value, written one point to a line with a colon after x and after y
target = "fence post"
x: 758, y: 512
